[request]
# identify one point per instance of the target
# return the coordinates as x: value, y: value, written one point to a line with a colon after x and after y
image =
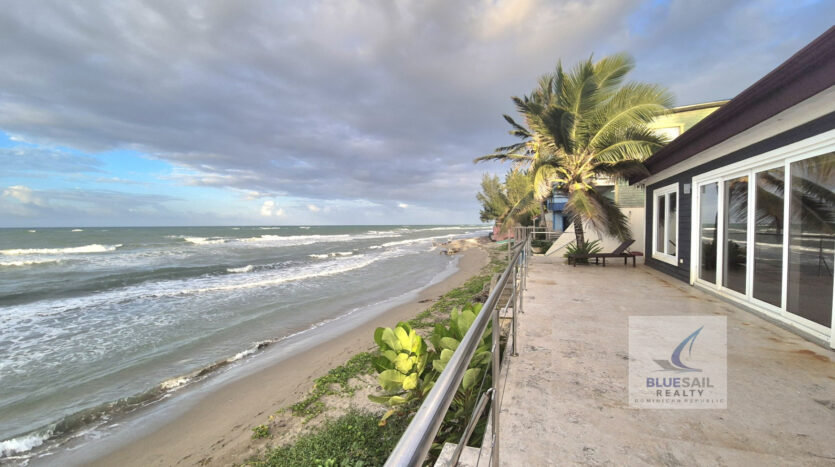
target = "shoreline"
x: 216, y: 428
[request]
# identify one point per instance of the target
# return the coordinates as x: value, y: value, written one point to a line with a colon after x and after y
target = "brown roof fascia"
x: 806, y: 73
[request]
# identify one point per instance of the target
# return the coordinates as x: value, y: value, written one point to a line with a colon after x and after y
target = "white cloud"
x: 313, y: 208
x: 402, y: 205
x: 269, y: 209
x: 24, y: 194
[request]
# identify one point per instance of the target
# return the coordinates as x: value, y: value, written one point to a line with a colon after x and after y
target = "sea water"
x: 95, y: 322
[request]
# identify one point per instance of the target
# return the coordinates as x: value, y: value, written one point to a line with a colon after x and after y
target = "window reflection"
x: 768, y: 236
x: 708, y: 212
x: 812, y: 238
x: 672, y: 228
x: 736, y: 233
x: 659, y: 239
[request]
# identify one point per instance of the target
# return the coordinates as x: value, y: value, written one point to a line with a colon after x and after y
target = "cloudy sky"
x: 321, y: 112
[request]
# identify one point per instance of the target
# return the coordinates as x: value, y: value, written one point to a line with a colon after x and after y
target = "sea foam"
x: 204, y: 240
x: 22, y: 444
x: 95, y: 248
x: 28, y: 263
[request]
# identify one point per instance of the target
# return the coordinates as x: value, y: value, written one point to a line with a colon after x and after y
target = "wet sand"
x: 217, y: 429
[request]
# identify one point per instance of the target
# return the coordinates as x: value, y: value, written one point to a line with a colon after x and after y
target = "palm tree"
x: 581, y: 125
x: 509, y: 203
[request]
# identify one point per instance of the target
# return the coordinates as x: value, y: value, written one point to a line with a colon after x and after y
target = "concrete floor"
x: 565, y: 400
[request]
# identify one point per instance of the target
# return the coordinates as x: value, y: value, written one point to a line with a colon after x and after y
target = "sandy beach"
x: 216, y: 430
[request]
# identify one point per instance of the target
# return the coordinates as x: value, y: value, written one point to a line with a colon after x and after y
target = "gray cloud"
x: 69, y: 207
x: 380, y: 101
x: 29, y: 161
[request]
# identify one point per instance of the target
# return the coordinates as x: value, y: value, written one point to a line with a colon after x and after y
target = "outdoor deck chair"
x: 619, y: 252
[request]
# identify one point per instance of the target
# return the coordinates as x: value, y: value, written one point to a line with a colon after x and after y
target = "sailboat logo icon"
x: 675, y: 363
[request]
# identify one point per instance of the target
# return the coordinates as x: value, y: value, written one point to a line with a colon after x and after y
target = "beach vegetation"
x: 260, y: 431
x: 583, y: 126
x: 458, y: 297
x: 541, y: 245
x: 420, y: 369
x: 336, y: 381
x: 354, y: 439
x: 403, y: 366
x: 445, y: 339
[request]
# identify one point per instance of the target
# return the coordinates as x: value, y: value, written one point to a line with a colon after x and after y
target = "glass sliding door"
x: 662, y: 224
x: 708, y: 218
x: 768, y: 236
x: 665, y: 224
x: 735, y: 234
x: 812, y: 238
x: 672, y: 228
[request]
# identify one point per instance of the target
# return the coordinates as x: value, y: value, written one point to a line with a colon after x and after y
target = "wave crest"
x: 95, y: 248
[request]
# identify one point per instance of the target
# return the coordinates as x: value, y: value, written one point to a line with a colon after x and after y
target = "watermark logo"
x: 695, y: 374
x: 674, y: 363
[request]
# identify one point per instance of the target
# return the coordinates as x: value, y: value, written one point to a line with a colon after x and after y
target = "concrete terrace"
x: 565, y: 399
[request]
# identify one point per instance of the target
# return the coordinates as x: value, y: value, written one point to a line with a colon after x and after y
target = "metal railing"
x: 416, y: 441
x: 540, y: 233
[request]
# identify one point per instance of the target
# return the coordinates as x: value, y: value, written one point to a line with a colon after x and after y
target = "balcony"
x: 566, y: 399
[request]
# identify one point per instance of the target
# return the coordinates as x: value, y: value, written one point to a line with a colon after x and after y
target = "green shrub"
x: 445, y: 340
x: 588, y: 248
x: 402, y: 366
x: 355, y: 439
x: 260, y: 431
x: 543, y: 244
x: 404, y: 359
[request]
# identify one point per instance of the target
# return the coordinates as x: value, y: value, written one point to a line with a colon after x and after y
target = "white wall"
x: 636, y: 223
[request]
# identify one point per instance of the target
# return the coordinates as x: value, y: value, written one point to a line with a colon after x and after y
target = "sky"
x: 139, y: 113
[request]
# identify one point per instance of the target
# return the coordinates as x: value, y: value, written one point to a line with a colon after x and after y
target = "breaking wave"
x: 95, y: 248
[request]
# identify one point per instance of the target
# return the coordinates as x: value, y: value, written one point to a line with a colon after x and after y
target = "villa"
x: 743, y: 204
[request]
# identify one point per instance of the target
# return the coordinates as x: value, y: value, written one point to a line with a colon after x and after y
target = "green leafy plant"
x: 402, y: 366
x: 260, y: 431
x: 445, y: 340
x: 588, y: 248
x: 541, y: 245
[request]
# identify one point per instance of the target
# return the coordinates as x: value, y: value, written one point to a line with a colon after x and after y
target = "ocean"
x: 98, y: 322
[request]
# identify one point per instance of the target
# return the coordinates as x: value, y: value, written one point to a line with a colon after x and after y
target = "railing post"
x: 494, y: 406
x: 516, y: 292
x: 523, y: 264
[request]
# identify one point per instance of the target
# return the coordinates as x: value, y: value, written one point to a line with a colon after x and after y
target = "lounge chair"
x: 619, y: 252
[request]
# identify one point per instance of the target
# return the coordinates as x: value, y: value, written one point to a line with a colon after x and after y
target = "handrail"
x: 416, y: 441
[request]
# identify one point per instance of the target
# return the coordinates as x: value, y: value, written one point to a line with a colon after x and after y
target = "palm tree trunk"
x: 579, y: 235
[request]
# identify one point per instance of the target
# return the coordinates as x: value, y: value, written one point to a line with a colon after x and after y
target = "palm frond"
x: 621, y: 170
x: 543, y: 181
x: 633, y: 105
x: 500, y: 156
x: 611, y: 70
x: 518, y: 130
x: 634, y: 143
